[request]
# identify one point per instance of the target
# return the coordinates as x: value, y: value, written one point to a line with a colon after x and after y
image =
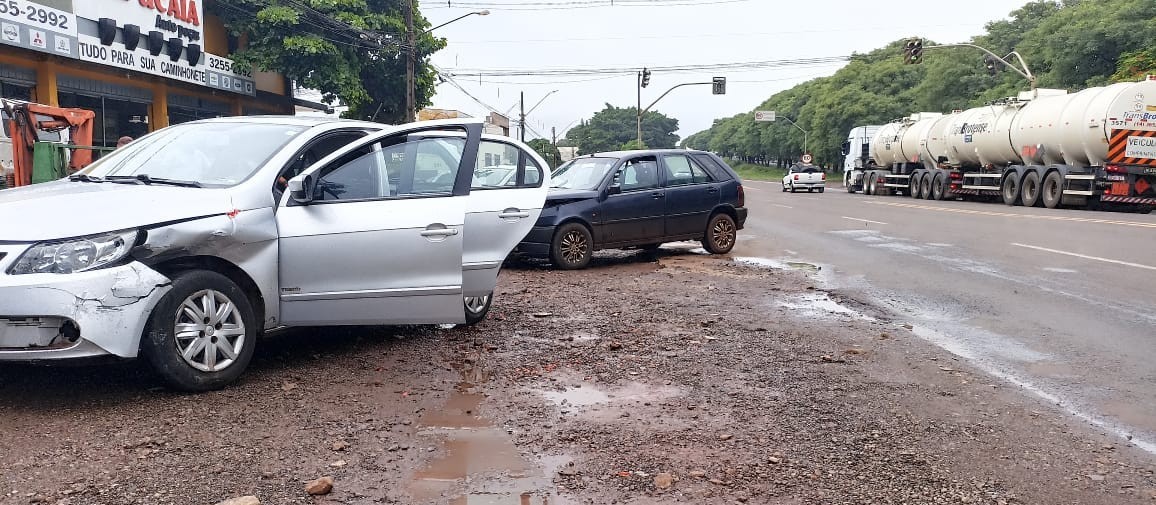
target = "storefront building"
x: 139, y: 64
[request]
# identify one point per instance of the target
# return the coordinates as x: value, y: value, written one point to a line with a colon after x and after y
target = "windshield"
x: 583, y: 173
x: 212, y: 154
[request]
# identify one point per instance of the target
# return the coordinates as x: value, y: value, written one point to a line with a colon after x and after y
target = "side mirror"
x: 846, y: 149
x: 301, y: 189
x: 614, y: 189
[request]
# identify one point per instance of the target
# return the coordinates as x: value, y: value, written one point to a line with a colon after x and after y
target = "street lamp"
x: 524, y: 113
x: 411, y: 57
x: 475, y: 13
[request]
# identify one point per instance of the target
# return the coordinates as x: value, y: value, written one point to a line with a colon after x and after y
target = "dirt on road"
x: 668, y: 377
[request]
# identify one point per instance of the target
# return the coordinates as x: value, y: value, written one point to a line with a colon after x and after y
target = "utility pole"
x: 522, y: 115
x: 411, y: 55
x: 638, y: 111
x: 554, y: 142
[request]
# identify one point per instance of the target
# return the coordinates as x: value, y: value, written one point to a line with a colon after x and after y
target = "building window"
x: 114, y: 118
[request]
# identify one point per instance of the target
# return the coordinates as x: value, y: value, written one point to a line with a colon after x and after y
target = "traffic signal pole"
x: 1026, y: 72
x: 638, y: 111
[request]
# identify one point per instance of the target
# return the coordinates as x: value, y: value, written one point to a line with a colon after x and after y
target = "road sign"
x: 765, y: 116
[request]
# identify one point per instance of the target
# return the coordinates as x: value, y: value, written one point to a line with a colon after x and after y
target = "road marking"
x: 1084, y: 256
x: 781, y: 205
x: 1138, y: 224
x: 752, y: 189
x: 864, y: 220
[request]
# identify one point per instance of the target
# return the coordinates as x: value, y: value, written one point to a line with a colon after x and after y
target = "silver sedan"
x: 187, y: 244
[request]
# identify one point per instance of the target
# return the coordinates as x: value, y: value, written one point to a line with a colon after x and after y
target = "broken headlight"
x: 75, y: 255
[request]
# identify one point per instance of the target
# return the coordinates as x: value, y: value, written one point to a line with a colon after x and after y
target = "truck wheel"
x: 1010, y: 189
x: 925, y: 187
x: 793, y: 187
x: 1031, y: 189
x: 822, y: 189
x: 938, y: 188
x: 913, y: 187
x: 572, y: 247
x: 720, y: 234
x: 202, y: 333
x: 850, y: 187
x: 1053, y: 190
x: 868, y: 186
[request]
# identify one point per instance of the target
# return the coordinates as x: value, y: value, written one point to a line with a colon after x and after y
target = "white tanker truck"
x: 1043, y: 148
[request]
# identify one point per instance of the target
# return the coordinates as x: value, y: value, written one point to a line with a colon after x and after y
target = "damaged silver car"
x: 186, y: 245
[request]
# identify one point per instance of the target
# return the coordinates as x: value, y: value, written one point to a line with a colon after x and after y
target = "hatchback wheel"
x: 720, y: 234
x: 477, y: 307
x: 572, y: 247
x: 201, y: 335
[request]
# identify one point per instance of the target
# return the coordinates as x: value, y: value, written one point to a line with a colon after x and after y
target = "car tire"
x: 822, y: 189
x: 477, y: 307
x: 182, y: 357
x: 1053, y: 190
x: 1031, y: 189
x: 784, y: 188
x: 792, y: 187
x: 1010, y: 189
x: 572, y: 247
x: 720, y: 235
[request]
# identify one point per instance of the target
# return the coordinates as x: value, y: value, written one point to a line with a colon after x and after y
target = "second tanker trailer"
x: 1043, y: 148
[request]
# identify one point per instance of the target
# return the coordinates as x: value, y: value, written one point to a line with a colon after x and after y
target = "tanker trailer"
x: 896, y: 154
x: 1094, y: 147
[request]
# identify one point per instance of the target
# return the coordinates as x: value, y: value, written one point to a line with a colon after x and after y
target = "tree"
x: 547, y: 151
x: 349, y: 50
x: 1069, y: 44
x: 612, y: 128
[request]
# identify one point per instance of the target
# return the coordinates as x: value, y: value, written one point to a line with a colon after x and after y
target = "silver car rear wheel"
x: 209, y: 331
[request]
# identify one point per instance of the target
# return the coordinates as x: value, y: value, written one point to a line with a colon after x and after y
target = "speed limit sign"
x: 807, y: 158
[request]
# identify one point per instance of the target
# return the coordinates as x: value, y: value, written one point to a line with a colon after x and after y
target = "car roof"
x: 308, y: 121
x: 636, y: 152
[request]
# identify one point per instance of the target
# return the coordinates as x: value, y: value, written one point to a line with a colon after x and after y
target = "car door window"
x: 316, y: 150
x: 415, y: 166
x: 502, y: 165
x: 639, y: 174
x: 681, y: 171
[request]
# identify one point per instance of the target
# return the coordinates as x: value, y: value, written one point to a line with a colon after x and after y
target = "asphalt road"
x: 1061, y: 303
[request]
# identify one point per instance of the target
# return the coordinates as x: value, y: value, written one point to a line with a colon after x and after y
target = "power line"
x: 590, y: 71
x: 579, y: 4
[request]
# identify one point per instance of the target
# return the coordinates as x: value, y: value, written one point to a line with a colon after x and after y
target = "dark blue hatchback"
x: 637, y: 199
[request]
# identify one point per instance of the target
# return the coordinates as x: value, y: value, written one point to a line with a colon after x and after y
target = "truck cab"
x: 857, y: 155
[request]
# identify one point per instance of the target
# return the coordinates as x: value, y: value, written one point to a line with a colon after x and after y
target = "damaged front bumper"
x: 63, y: 316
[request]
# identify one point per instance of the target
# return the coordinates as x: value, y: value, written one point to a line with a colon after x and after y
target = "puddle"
x: 478, y: 462
x: 776, y: 264
x: 819, y: 305
x: 587, y: 395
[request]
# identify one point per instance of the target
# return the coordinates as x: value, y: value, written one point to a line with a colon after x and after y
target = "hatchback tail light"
x: 742, y: 196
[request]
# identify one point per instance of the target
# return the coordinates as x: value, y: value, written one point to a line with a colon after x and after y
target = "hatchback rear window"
x: 712, y: 165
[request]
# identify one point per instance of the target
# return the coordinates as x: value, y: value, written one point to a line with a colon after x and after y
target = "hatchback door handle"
x: 657, y: 195
x: 712, y: 189
x: 513, y: 214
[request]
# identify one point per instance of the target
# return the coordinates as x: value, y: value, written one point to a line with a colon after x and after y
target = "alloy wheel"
x: 723, y: 234
x: 574, y: 246
x: 209, y: 330
x: 476, y: 304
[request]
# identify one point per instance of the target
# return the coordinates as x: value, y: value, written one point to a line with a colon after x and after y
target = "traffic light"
x: 719, y: 86
x: 917, y: 52
x: 645, y: 77
x: 989, y: 61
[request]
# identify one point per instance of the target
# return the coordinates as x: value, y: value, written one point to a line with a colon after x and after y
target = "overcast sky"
x: 714, y: 31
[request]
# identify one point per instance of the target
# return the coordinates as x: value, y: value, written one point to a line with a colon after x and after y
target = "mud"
x: 665, y: 377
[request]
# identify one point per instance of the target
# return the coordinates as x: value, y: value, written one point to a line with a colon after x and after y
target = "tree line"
x: 1068, y: 44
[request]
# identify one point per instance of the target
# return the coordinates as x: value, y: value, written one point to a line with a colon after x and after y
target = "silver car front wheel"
x: 209, y: 331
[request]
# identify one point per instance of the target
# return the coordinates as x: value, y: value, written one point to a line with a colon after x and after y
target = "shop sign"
x: 28, y: 24
x: 171, y: 42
